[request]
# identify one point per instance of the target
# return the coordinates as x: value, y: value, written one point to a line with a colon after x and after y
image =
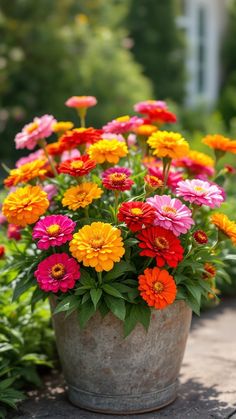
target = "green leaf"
x: 86, y: 297
x: 111, y: 290
x: 193, y: 304
x: 116, y: 305
x: 66, y: 304
x: 85, y: 278
x: 119, y: 270
x: 86, y: 311
x: 95, y: 294
x: 196, y: 292
x: 138, y: 313
x: 130, y: 242
x: 6, y: 383
x: 20, y: 288
x: 104, y: 310
x: 121, y: 287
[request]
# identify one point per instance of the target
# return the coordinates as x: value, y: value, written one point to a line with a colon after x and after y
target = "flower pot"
x: 108, y: 373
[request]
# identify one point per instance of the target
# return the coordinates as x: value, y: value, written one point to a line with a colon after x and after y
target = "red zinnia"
x: 2, y: 251
x: 162, y: 244
x: 162, y: 115
x: 74, y: 138
x: 117, y: 178
x: 200, y: 237
x: 153, y: 181
x: 136, y: 215
x: 79, y: 166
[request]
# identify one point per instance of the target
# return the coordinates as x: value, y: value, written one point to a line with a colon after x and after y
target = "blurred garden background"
x: 122, y: 52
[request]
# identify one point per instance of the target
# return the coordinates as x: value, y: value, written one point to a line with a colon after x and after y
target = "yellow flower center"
x: 136, y: 211
x: 198, y: 188
x: 53, y: 230
x: 97, y: 243
x: 161, y: 243
x: 81, y: 195
x: 117, y: 177
x: 124, y: 118
x: 166, y: 208
x: 77, y: 164
x: 58, y: 270
x: 32, y: 127
x: 158, y: 287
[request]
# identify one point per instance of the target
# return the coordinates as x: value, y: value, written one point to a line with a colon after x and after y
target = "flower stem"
x: 99, y: 278
x: 166, y: 169
x: 43, y: 145
x: 82, y: 115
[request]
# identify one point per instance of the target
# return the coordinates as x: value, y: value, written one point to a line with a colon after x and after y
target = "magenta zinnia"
x: 58, y: 272
x: 171, y: 214
x: 117, y: 178
x: 53, y: 230
x: 200, y: 192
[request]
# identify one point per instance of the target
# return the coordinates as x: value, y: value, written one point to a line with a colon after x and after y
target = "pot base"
x: 123, y: 404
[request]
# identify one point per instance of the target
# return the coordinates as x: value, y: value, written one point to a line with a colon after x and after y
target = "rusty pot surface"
x: 109, y: 374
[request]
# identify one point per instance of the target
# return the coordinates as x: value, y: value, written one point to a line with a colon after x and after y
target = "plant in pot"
x: 118, y: 229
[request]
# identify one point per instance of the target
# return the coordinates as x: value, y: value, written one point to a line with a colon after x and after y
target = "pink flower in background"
x: 37, y: 155
x: 171, y: 214
x: 72, y: 154
x: 13, y: 232
x: 110, y: 136
x: 200, y: 192
x: 53, y: 230
x: 37, y: 130
x: 148, y: 105
x: 51, y: 191
x: 194, y: 167
x: 131, y: 140
x: 58, y: 272
x: 122, y: 124
x: 117, y: 178
x: 81, y: 101
x: 3, y: 219
x: 174, y: 176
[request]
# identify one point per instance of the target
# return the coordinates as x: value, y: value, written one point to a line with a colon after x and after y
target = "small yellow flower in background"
x: 201, y: 158
x: 98, y: 245
x: 219, y: 142
x: 62, y: 126
x: 26, y: 172
x: 168, y: 144
x: 25, y: 205
x: 108, y: 151
x: 226, y: 226
x: 82, y: 195
x: 145, y: 130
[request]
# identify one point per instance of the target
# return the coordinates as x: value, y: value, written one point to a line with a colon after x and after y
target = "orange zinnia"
x: 26, y: 172
x: 157, y: 287
x: 25, y: 205
x: 219, y: 142
x: 226, y: 226
x: 78, y: 166
x: 81, y: 196
x: 168, y: 144
x: 145, y: 130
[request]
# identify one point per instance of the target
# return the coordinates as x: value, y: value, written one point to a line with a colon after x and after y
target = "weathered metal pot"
x: 109, y: 374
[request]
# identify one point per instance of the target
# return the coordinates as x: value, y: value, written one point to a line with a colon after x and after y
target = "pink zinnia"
x: 122, y: 124
x: 71, y: 154
x: 81, y: 101
x: 148, y: 105
x: 174, y: 176
x: 37, y: 130
x: 171, y: 214
x: 58, y: 272
x: 117, y: 178
x: 51, y: 190
x: 53, y: 230
x: 194, y: 167
x: 37, y: 155
x: 13, y: 232
x: 200, y: 192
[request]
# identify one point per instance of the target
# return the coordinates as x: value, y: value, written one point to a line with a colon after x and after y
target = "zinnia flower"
x: 210, y: 271
x: 51, y: 191
x: 57, y: 272
x: 108, y: 150
x: 13, y: 232
x: 157, y: 287
x: 70, y: 154
x: 148, y: 105
x: 79, y: 166
x: 220, y: 143
x: 26, y: 172
x: 62, y: 126
x: 55, y: 149
x: 123, y: 124
x: 78, y: 136
x: 159, y: 243
x: 174, y: 176
x: 81, y: 101
x: 36, y: 155
x: 153, y: 182
x: 117, y: 178
x: 145, y: 130
x: 171, y: 214
x: 25, y: 205
x: 136, y: 215
x: 98, y: 245
x: 168, y: 144
x: 200, y: 193
x: 37, y: 130
x: 2, y: 251
x: 200, y: 237
x: 82, y: 195
x: 197, y: 163
x: 53, y: 230
x: 226, y: 226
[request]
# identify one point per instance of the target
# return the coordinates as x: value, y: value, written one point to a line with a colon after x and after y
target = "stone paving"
x: 208, y: 377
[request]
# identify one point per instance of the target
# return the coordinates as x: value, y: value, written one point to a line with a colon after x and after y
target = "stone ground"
x: 208, y: 377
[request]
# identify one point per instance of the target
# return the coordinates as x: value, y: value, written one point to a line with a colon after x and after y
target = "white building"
x: 203, y: 22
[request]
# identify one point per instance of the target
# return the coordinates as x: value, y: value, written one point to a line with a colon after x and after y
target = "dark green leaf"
x: 116, y: 305
x: 119, y: 270
x: 66, y: 304
x: 86, y: 311
x: 109, y: 289
x: 96, y: 294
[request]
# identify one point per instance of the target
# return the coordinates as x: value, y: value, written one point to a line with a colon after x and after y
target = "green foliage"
x: 158, y: 46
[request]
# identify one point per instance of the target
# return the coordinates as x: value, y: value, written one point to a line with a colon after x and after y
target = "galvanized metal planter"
x: 109, y: 374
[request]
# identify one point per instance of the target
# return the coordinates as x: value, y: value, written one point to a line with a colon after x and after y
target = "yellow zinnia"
x: 201, y: 158
x: 107, y: 150
x: 219, y: 142
x: 98, y: 245
x: 25, y: 205
x: 168, y: 144
x: 82, y: 195
x: 62, y: 126
x: 26, y: 172
x: 226, y: 226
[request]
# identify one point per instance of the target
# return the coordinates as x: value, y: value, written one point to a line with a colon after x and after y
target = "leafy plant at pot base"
x: 161, y: 240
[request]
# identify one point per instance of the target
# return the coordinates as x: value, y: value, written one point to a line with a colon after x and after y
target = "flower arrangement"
x: 105, y: 221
